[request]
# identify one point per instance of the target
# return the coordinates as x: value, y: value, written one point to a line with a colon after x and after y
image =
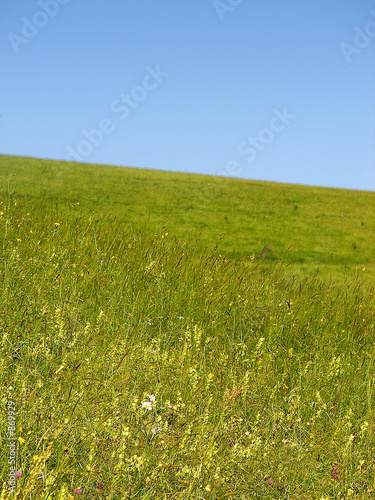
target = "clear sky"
x: 259, y: 89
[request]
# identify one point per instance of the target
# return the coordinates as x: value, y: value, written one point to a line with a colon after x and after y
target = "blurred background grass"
x: 312, y: 229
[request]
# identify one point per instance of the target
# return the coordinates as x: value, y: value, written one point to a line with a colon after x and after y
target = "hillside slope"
x: 135, y: 364
x: 315, y: 230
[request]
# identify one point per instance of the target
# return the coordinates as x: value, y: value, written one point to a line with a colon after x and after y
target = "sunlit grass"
x: 323, y: 231
x: 143, y: 366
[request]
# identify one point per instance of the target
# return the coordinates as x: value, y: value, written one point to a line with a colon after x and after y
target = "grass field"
x: 313, y: 230
x: 152, y: 347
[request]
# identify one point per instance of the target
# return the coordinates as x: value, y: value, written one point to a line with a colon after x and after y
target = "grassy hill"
x: 315, y: 230
x: 152, y: 349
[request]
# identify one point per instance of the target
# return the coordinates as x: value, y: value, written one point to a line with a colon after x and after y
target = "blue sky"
x: 259, y: 89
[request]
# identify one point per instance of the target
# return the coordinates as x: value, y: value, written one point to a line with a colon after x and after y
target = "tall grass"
x: 314, y: 230
x: 144, y: 367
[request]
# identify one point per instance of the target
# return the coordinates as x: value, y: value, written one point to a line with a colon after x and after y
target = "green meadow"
x: 323, y: 231
x: 176, y: 336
